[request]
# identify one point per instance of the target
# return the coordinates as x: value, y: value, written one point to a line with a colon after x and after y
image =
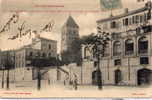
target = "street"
x: 29, y: 89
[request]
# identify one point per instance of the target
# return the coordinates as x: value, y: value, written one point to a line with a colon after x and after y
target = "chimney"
x: 126, y: 10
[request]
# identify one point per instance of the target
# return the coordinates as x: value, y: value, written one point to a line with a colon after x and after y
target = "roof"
x: 71, y: 22
x: 41, y: 38
x: 123, y: 15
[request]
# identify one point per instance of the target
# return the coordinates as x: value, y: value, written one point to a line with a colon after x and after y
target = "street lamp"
x: 7, y: 79
x: 99, y: 75
x: 37, y: 63
x: 3, y: 68
x: 7, y: 65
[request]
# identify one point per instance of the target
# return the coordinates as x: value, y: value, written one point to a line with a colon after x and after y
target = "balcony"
x: 129, y: 53
x: 144, y: 51
x: 117, y: 54
x: 106, y: 55
x: 88, y: 58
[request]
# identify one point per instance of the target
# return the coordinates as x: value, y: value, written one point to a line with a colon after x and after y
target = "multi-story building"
x: 7, y: 62
x: 40, y: 47
x: 128, y: 56
x: 70, y: 32
x: 7, y: 59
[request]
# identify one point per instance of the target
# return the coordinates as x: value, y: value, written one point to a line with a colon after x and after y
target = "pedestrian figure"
x: 49, y: 81
x: 64, y: 82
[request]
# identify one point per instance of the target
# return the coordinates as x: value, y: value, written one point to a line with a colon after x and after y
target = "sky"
x: 36, y: 14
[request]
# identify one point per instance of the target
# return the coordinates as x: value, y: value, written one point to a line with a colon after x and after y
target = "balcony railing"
x: 145, y: 51
x: 87, y: 57
x: 106, y: 55
x: 129, y: 52
x: 117, y: 54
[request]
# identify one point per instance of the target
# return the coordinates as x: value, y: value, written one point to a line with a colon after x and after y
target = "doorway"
x: 144, y: 76
x: 118, y: 77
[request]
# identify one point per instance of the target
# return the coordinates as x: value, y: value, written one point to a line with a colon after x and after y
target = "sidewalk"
x: 32, y: 85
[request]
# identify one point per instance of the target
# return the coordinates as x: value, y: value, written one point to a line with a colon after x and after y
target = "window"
x: 44, y: 55
x: 117, y: 48
x: 31, y: 53
x: 144, y: 60
x: 74, y: 32
x: 105, y: 26
x: 116, y: 35
x: 137, y: 19
x: 44, y: 46
x: 133, y: 19
x: 95, y: 64
x: 129, y: 47
x: 85, y: 50
x: 87, y: 53
x: 126, y: 22
x: 130, y: 21
x: 49, y: 46
x: 141, y: 18
x: 113, y: 24
x: 118, y: 76
x: 143, y: 45
x: 107, y: 50
x: 147, y: 28
x: 149, y: 15
x: 117, y: 62
x: 145, y: 17
x: 38, y: 54
x: 50, y: 55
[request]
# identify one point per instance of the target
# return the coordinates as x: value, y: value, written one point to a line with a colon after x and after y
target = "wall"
x: 87, y: 69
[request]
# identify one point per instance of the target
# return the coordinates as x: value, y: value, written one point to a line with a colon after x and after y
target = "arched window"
x: 143, y: 45
x: 129, y: 47
x: 49, y: 46
x: 50, y: 55
x: 118, y: 76
x: 85, y: 50
x: 31, y: 53
x: 117, y: 48
x: 38, y: 54
x: 44, y: 55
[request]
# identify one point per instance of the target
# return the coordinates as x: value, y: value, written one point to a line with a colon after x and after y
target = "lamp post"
x: 3, y: 76
x: 99, y: 75
x: 7, y: 65
x: 36, y: 62
x: 7, y: 79
x: 39, y: 79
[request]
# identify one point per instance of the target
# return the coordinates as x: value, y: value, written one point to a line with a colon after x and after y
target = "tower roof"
x: 71, y: 23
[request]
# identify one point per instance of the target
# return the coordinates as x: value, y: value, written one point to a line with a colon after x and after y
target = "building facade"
x: 40, y: 47
x: 0, y: 58
x: 7, y: 59
x: 128, y: 56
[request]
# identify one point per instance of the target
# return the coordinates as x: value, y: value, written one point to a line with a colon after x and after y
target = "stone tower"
x: 70, y: 32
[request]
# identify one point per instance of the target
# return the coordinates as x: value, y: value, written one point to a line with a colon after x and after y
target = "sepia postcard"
x: 75, y: 49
